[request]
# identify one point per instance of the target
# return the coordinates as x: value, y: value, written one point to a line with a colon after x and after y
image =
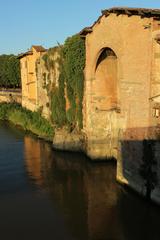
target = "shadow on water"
x: 65, y: 196
x: 94, y: 205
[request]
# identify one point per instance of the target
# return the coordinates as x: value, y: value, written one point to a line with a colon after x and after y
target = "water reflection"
x: 93, y: 204
x: 46, y: 194
x: 32, y: 156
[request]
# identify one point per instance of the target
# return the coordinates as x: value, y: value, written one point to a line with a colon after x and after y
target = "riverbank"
x: 28, y: 120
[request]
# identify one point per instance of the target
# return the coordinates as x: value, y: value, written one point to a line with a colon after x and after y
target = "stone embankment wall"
x: 68, y: 141
x: 10, y: 96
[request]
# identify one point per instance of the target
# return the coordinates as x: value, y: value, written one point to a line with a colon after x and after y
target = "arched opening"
x: 106, y: 79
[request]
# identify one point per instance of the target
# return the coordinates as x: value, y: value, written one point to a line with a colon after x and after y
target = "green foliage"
x: 74, y: 62
x: 56, y: 94
x: 58, y: 104
x: 32, y: 121
x: 9, y: 71
x: 48, y: 58
x: 71, y: 62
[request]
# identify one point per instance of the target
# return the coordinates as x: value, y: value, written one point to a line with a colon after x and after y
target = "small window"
x: 44, y: 80
x: 156, y: 112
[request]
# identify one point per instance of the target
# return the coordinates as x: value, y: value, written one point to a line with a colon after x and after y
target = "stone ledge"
x: 68, y: 141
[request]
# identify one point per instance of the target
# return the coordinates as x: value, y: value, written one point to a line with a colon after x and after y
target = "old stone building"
x: 29, y: 76
x: 122, y: 89
x: 39, y: 75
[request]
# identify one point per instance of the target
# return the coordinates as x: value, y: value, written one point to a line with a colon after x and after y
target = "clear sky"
x: 45, y: 22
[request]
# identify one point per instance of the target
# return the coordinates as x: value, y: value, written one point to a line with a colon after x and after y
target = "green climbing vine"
x: 74, y: 62
x: 53, y: 61
x: 70, y: 62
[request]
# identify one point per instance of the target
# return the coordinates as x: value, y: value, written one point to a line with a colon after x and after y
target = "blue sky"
x: 45, y: 22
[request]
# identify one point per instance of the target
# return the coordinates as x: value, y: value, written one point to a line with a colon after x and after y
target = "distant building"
x: 29, y: 76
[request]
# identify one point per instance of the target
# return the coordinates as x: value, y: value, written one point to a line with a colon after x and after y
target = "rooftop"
x: 143, y: 12
x: 38, y: 48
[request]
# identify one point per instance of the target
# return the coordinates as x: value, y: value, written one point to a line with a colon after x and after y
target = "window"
x: 156, y: 112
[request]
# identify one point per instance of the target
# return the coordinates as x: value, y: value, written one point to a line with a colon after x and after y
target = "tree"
x: 9, y: 71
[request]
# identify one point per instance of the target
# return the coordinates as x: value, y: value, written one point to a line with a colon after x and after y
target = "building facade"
x: 121, y: 100
x: 28, y: 62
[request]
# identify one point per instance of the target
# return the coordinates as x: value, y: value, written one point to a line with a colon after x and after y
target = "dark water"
x: 46, y: 194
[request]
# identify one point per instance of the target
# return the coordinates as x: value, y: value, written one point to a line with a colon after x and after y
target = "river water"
x: 45, y: 194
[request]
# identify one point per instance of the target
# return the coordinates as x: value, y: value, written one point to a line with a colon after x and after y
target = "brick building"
x: 122, y: 90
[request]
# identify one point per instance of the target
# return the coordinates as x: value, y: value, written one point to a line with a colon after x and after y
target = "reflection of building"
x: 102, y: 198
x: 33, y: 159
x: 85, y: 193
x: 93, y: 205
x: 29, y: 76
x: 38, y: 158
x: 88, y: 194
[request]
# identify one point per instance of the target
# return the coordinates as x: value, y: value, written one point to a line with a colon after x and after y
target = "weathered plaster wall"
x: 28, y: 82
x: 131, y: 148
x: 131, y: 41
x: 132, y: 155
x: 42, y: 79
x: 29, y: 79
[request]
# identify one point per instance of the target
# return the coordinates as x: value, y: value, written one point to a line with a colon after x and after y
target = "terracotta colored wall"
x: 106, y: 82
x: 24, y: 76
x: 29, y: 80
x: 120, y: 132
x: 131, y: 42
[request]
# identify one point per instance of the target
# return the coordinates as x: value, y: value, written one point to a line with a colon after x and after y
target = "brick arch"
x: 106, y: 78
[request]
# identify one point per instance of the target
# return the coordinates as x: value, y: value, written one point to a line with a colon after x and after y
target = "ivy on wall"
x: 55, y: 93
x: 74, y: 62
x: 71, y: 62
x: 58, y: 103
